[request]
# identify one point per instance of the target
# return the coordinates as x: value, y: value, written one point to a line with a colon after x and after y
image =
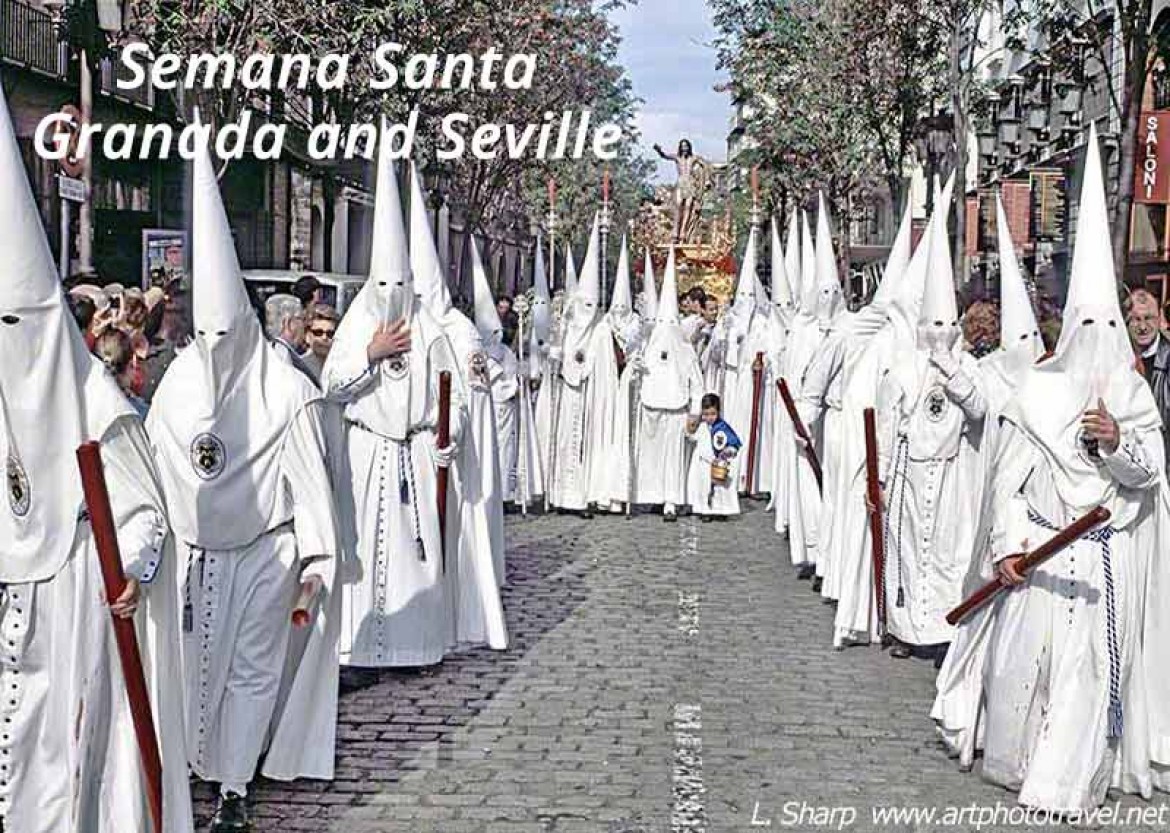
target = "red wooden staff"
x: 801, y: 431
x: 442, y: 476
x: 877, y: 542
x: 757, y: 385
x: 1077, y: 529
x: 105, y: 536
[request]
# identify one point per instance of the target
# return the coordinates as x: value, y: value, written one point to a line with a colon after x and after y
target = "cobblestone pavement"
x: 661, y: 678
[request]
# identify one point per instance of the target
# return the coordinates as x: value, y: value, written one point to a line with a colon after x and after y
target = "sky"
x: 666, y: 49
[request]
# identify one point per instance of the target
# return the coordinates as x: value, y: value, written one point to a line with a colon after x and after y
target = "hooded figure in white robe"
x: 481, y: 450
x: 649, y: 298
x: 929, y: 421
x: 239, y: 436
x: 746, y: 337
x: 823, y: 396
x: 899, y: 298
x: 960, y: 681
x: 408, y: 598
x: 69, y: 761
x: 540, y: 340
x: 503, y: 371
x: 586, y: 395
x: 821, y: 299
x: 625, y: 322
x: 782, y: 434
x: 1066, y: 711
x: 666, y: 388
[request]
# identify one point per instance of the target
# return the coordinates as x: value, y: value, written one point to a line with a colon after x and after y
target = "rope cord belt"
x: 1101, y: 538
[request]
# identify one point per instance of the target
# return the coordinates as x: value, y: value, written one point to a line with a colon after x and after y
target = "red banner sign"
x: 1152, y: 177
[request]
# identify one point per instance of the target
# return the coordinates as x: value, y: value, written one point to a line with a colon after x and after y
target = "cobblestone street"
x: 661, y: 678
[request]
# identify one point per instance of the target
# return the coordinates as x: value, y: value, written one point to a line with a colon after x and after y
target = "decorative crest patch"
x: 936, y: 404
x: 719, y: 440
x: 208, y: 456
x: 19, y: 495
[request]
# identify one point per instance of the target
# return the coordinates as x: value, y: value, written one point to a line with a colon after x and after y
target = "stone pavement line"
x: 688, y: 613
x: 689, y: 813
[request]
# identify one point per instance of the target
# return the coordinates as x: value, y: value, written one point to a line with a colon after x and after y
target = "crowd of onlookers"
x: 137, y: 333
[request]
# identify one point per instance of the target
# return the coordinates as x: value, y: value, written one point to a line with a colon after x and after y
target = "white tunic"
x: 1061, y: 676
x: 249, y: 675
x: 932, y: 495
x: 69, y: 761
x: 584, y: 435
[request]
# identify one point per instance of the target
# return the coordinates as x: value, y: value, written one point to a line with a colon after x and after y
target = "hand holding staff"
x: 1030, y: 561
x: 311, y: 588
x: 442, y: 476
x: 801, y: 431
x: 105, y: 536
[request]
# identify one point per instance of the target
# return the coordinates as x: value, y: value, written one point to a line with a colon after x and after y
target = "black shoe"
x: 669, y: 517
x: 806, y: 571
x: 587, y: 513
x: 940, y: 654
x: 900, y: 650
x: 707, y: 519
x: 817, y: 582
x: 231, y: 815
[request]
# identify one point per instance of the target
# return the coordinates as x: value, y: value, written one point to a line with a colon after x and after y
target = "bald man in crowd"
x: 1143, y: 316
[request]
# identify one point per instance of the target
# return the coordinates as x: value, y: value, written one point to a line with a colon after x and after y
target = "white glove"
x: 945, y: 362
x: 555, y: 353
x: 443, y: 457
x: 637, y: 363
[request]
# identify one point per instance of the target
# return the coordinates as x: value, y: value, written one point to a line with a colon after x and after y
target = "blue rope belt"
x: 1101, y: 537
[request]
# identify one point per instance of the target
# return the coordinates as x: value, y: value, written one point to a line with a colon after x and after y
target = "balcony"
x: 28, y: 38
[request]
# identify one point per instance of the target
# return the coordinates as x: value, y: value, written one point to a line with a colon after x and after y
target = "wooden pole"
x: 105, y: 536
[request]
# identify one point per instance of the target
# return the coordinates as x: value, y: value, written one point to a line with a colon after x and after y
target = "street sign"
x: 70, y: 189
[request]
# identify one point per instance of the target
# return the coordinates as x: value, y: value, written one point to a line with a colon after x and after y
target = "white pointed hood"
x: 1018, y: 325
x: 906, y: 306
x: 828, y: 285
x: 938, y: 317
x: 487, y: 318
x: 53, y: 394
x: 430, y: 280
x: 570, y: 271
x: 541, y: 305
x: 227, y: 331
x: 792, y: 261
x: 649, y: 290
x: 781, y: 289
x: 622, y: 302
x: 896, y: 262
x: 389, y: 292
x: 583, y: 313
x: 1093, y: 361
x: 1020, y: 344
x: 808, y: 269
x: 224, y: 407
x: 745, y: 286
x: 671, y: 362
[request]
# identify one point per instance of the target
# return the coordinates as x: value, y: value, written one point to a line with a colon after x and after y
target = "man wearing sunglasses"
x: 322, y: 321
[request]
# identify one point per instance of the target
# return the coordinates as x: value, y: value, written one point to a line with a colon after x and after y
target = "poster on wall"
x: 164, y: 258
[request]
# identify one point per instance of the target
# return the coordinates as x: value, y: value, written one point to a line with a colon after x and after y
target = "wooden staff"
x: 1077, y: 529
x: 798, y: 427
x: 442, y: 476
x: 105, y: 536
x: 757, y: 386
x: 877, y: 541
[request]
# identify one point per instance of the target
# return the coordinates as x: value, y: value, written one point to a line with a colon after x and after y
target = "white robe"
x: 70, y: 760
x: 1059, y: 642
x: 704, y: 496
x: 253, y: 681
x: 401, y: 605
x: 581, y: 473
x: 926, y: 427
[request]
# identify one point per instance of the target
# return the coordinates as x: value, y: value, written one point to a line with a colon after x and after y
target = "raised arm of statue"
x: 670, y: 157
